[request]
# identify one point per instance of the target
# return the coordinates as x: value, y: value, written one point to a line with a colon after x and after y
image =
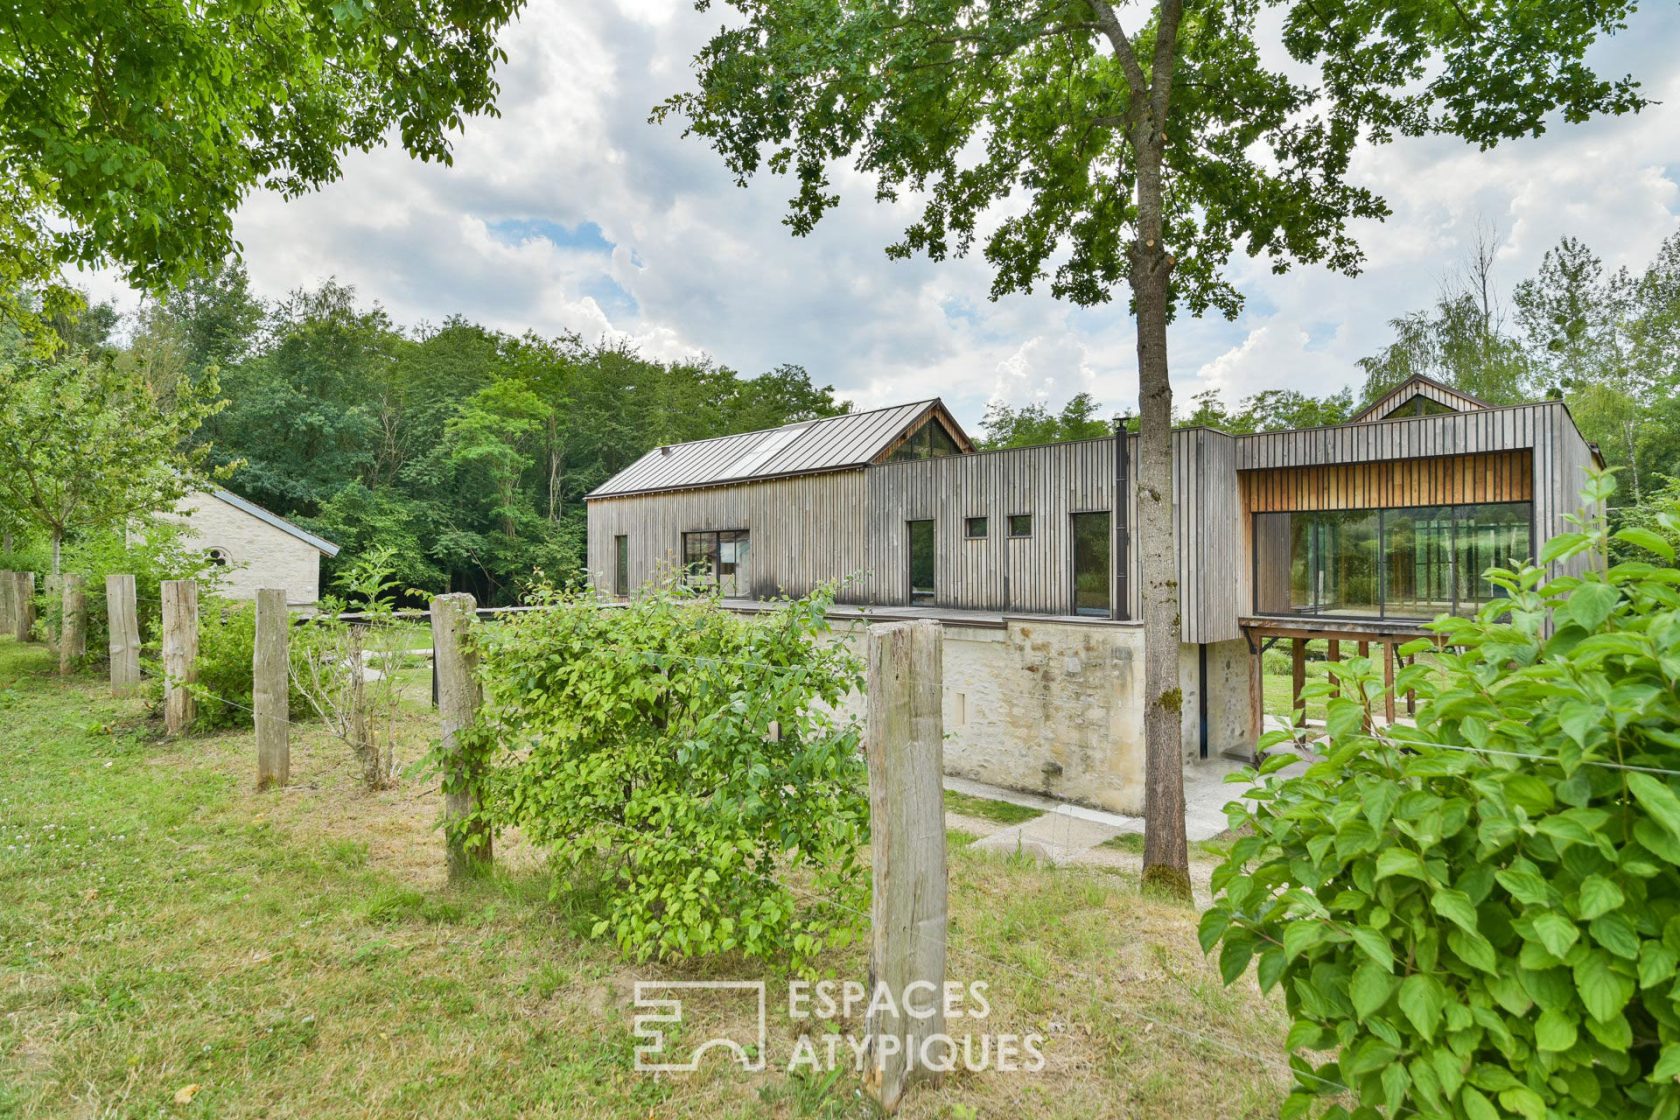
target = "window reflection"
x: 1414, y: 562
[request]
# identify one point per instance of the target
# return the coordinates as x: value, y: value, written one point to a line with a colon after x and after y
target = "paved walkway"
x: 1064, y: 833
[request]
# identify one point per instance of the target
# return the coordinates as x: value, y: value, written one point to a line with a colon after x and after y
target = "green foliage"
x: 1035, y: 424
x: 466, y: 451
x: 691, y: 755
x: 1271, y: 410
x: 226, y: 638
x: 1480, y: 916
x: 1061, y: 110
x: 86, y: 443
x: 330, y: 655
x: 151, y: 551
x: 132, y: 132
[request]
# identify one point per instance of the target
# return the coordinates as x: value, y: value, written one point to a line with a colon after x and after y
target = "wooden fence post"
x: 1298, y: 676
x: 8, y: 593
x: 1388, y: 682
x: 904, y: 740
x: 180, y: 652
x: 270, y: 690
x: 122, y: 616
x: 23, y: 595
x: 72, y: 628
x: 468, y: 851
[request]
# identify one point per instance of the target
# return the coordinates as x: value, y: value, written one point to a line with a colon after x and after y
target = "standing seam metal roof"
x: 832, y: 443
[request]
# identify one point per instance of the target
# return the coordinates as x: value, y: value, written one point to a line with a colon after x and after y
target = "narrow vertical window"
x: 1091, y: 576
x: 621, y: 565
x: 921, y: 562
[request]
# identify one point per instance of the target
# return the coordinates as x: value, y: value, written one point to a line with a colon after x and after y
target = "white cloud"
x: 693, y: 263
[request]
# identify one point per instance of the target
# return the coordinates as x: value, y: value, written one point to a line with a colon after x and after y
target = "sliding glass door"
x: 1414, y: 562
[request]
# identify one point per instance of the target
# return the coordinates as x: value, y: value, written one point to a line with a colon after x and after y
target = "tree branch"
x: 1166, y: 56
x: 1122, y: 43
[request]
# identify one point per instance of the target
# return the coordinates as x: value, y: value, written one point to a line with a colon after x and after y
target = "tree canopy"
x: 132, y: 132
x: 466, y: 450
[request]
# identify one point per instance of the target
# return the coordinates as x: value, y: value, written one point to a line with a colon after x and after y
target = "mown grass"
x: 298, y: 954
x: 985, y: 808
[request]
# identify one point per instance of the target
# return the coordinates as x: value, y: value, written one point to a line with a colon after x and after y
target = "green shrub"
x: 691, y: 755
x: 151, y: 554
x: 226, y: 638
x: 1480, y: 917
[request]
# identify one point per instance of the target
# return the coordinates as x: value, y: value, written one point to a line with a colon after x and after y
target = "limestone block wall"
x: 258, y: 554
x: 1055, y: 706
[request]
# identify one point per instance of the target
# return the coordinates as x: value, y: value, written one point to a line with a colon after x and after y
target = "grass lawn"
x: 298, y: 954
x: 987, y: 809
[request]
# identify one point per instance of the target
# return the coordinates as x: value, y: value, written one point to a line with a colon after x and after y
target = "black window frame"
x: 621, y: 565
x: 930, y: 597
x: 714, y: 559
x: 1013, y: 535
x: 1073, y: 564
x: 1459, y: 511
x: 985, y: 528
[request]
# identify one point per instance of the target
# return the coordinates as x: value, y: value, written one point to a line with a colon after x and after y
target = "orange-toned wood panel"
x: 1503, y: 476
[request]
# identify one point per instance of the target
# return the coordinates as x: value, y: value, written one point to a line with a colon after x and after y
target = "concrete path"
x: 1064, y: 833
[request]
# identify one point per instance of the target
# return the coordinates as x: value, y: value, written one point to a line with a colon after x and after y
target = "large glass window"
x: 719, y: 560
x: 621, y: 565
x: 1091, y: 582
x: 921, y: 562
x: 1414, y: 562
x: 930, y: 441
x: 1486, y: 537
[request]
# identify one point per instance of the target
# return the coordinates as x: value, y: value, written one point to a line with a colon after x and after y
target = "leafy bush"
x: 1480, y: 916
x: 694, y: 754
x: 226, y: 639
x: 329, y: 659
x: 151, y: 554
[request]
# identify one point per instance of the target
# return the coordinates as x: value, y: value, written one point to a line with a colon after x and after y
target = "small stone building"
x: 257, y: 548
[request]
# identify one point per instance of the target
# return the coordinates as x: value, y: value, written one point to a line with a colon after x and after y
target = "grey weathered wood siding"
x: 998, y: 572
x: 804, y: 531
x: 1213, y: 567
x: 819, y: 528
x: 1560, y: 457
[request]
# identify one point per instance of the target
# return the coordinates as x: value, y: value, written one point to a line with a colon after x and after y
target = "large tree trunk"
x: 1166, y: 859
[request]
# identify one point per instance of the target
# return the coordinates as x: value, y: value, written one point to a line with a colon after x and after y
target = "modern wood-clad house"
x: 1357, y: 532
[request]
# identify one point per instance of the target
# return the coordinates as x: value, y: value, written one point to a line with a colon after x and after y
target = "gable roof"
x: 245, y: 505
x: 1417, y: 385
x: 832, y: 443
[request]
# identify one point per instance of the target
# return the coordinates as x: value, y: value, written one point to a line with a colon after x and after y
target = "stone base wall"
x: 1055, y: 707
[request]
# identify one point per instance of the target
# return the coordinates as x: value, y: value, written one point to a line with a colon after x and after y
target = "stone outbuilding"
x: 256, y: 547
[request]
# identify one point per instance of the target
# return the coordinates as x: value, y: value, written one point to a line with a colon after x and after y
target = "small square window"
x: 974, y: 528
x: 1020, y: 524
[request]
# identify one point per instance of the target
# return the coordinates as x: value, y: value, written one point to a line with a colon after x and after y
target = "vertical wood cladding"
x: 804, y: 531
x: 1503, y: 476
x: 854, y: 523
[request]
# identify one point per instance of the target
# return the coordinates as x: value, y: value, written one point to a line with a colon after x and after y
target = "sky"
x: 571, y: 212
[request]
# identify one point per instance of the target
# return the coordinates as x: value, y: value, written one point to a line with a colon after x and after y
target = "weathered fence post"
x: 23, y: 595
x: 469, y: 849
x: 904, y: 738
x: 122, y: 616
x: 270, y: 691
x: 72, y: 627
x: 8, y: 593
x: 180, y: 652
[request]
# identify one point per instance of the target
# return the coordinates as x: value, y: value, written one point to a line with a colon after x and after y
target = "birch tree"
x: 1115, y: 149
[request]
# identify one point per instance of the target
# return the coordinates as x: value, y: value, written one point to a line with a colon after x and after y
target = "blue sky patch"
x: 585, y: 236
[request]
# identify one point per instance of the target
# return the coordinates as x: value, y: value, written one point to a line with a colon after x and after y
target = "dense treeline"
x: 465, y: 450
